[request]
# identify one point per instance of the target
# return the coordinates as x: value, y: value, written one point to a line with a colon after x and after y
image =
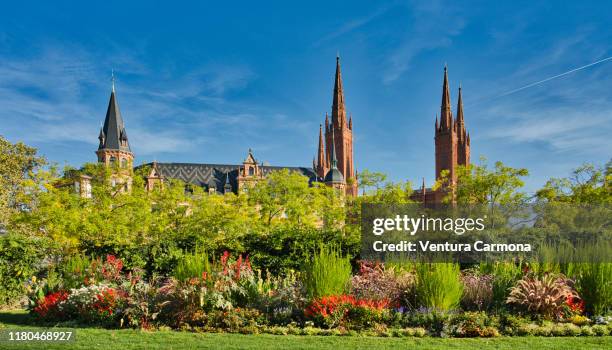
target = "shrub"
x: 346, y: 310
x: 95, y: 304
x: 438, y: 285
x: 600, y: 330
x: 511, y: 324
x: 74, y: 270
x: 477, y: 291
x: 432, y: 320
x: 20, y: 260
x: 586, y: 331
x: 470, y: 324
x: 192, y: 265
x: 48, y: 307
x: 546, y: 297
x: 594, y: 283
x: 235, y: 320
x: 374, y: 281
x: 505, y: 275
x: 284, y: 248
x: 579, y: 320
x: 143, y: 304
x: 328, y: 273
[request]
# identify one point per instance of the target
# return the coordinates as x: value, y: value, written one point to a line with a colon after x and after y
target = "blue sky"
x: 203, y: 82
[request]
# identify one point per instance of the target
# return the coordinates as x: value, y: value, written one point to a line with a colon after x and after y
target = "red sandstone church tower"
x: 451, y: 139
x: 338, y: 132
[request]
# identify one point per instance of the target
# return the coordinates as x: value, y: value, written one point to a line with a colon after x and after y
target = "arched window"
x: 124, y: 163
x: 251, y: 171
x: 112, y: 160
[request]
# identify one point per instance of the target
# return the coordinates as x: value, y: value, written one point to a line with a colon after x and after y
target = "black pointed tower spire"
x: 114, y: 144
x: 113, y: 132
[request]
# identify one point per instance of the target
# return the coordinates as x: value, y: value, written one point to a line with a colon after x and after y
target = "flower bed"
x: 227, y: 295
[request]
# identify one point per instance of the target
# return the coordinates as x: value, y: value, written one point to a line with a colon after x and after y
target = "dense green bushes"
x: 21, y: 258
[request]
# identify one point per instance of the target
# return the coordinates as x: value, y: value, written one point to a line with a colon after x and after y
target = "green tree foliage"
x: 287, y: 197
x: 20, y: 260
x: 587, y: 184
x: 478, y: 184
x: 19, y: 167
x: 369, y: 179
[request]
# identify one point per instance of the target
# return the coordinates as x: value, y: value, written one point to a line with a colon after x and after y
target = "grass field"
x: 94, y: 338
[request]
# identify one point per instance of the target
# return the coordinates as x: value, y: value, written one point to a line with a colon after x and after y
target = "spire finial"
x: 338, y: 55
x: 113, y: 79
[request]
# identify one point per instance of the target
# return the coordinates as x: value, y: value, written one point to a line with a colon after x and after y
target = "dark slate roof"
x: 334, y: 176
x: 113, y: 131
x: 215, y: 175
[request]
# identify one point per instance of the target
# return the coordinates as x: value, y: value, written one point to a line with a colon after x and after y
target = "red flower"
x: 107, y: 301
x: 112, y: 267
x: 575, y: 304
x: 49, y: 303
x: 327, y: 305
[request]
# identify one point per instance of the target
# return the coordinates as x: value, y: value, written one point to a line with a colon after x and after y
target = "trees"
x: 586, y: 185
x: 477, y: 184
x: 368, y: 179
x: 286, y: 196
x: 19, y: 165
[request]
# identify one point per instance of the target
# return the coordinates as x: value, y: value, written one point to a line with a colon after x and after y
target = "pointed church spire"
x: 460, y: 122
x: 437, y: 124
x: 460, y: 107
x: 321, y: 154
x: 113, y: 132
x: 445, y: 108
x: 338, y: 113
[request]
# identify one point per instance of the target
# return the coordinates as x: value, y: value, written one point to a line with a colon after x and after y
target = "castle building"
x: 332, y: 165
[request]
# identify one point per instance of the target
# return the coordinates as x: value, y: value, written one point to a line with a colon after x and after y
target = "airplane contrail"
x: 554, y: 77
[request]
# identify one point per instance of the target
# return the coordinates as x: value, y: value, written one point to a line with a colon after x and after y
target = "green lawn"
x: 92, y: 338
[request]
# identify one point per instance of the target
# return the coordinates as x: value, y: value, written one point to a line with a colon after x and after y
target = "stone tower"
x: 114, y: 148
x: 338, y: 138
x: 451, y: 139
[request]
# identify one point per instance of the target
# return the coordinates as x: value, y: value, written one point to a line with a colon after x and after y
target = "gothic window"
x: 251, y: 171
x: 112, y: 160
